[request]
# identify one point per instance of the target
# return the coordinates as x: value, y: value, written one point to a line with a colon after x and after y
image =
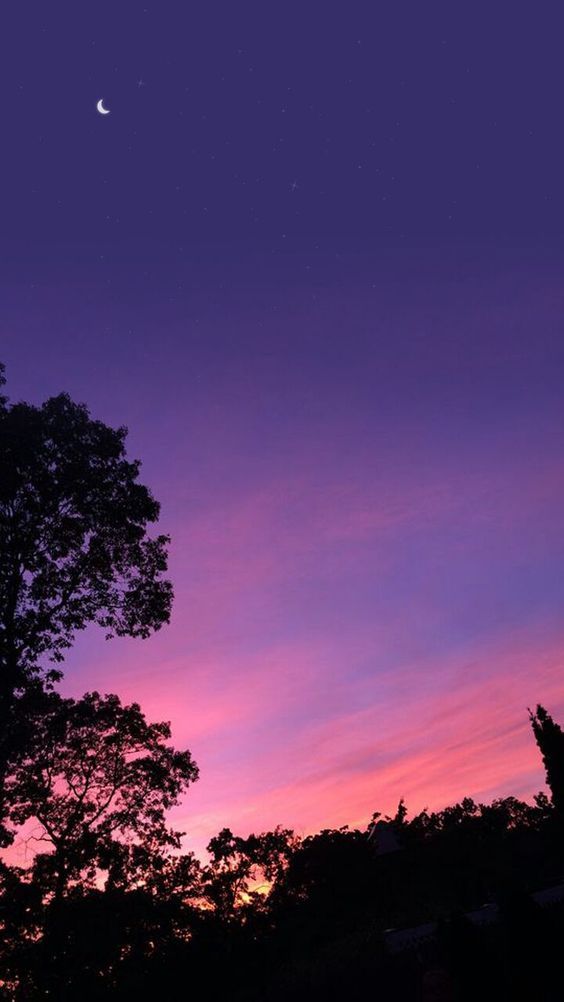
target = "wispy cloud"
x: 339, y: 644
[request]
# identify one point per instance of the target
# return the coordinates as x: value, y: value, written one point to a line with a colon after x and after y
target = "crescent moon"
x: 100, y: 107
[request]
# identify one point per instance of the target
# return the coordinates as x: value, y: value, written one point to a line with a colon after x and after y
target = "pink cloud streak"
x: 312, y: 723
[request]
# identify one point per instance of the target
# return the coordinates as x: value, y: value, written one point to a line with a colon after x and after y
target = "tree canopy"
x: 95, y: 777
x: 550, y: 739
x: 74, y: 543
x: 75, y: 549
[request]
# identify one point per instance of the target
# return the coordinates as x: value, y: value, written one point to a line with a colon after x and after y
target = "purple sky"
x: 313, y: 259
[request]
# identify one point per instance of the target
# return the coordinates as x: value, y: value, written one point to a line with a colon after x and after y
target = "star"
x: 294, y: 185
x: 140, y: 83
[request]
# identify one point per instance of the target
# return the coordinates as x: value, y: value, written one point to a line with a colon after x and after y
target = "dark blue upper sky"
x: 275, y: 126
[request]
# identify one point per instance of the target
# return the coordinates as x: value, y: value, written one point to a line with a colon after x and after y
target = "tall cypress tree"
x: 550, y: 739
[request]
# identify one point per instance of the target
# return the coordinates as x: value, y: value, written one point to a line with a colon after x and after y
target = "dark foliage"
x: 91, y: 794
x: 74, y: 547
x: 550, y: 739
x: 160, y: 920
x: 96, y: 781
x: 73, y: 537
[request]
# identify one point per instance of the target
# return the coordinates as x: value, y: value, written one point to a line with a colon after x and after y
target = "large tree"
x: 74, y: 545
x: 91, y: 793
x: 93, y: 786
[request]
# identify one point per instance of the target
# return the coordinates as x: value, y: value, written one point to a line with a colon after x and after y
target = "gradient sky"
x: 313, y: 259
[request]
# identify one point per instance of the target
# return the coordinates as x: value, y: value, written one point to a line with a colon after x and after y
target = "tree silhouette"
x: 74, y: 547
x: 239, y: 865
x: 95, y: 782
x: 550, y: 739
x: 73, y: 536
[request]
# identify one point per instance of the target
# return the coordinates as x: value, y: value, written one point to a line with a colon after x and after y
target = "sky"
x: 313, y: 259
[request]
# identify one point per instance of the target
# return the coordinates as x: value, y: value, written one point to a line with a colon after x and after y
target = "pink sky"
x: 321, y: 717
x: 365, y: 496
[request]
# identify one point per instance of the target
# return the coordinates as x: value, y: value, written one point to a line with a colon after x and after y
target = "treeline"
x: 109, y: 906
x: 114, y: 910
